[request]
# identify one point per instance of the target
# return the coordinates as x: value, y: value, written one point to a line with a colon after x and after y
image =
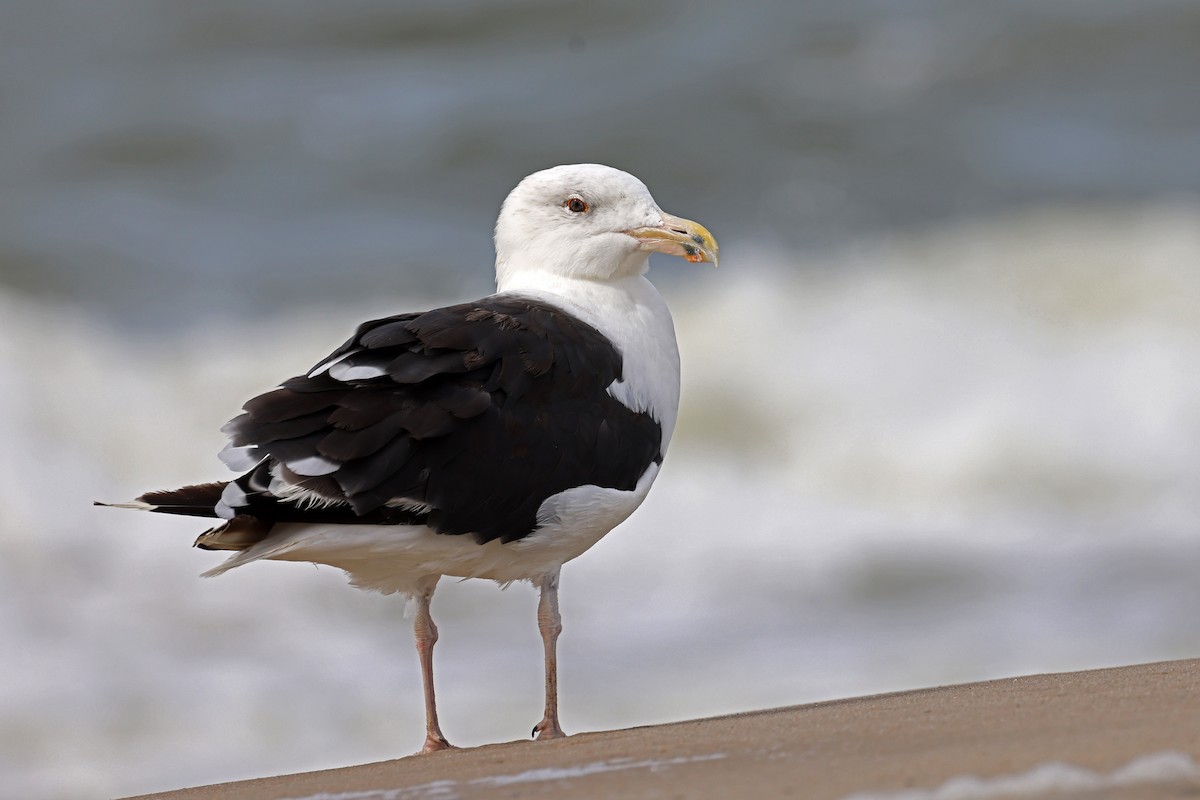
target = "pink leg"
x: 550, y: 625
x: 426, y: 634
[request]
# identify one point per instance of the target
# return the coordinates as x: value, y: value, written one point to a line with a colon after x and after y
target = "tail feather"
x: 243, y: 529
x: 240, y: 533
x: 237, y: 534
x: 134, y: 504
x: 197, y: 500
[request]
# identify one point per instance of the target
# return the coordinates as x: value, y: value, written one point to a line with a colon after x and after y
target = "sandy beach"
x: 1127, y: 732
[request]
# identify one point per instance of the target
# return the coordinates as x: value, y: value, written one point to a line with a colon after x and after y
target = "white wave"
x: 448, y: 789
x: 1055, y: 778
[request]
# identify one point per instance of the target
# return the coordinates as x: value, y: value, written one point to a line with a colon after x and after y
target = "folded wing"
x: 464, y: 418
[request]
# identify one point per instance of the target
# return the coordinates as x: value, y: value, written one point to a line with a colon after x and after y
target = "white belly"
x: 400, y: 558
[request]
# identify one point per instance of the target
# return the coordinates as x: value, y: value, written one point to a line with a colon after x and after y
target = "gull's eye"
x: 577, y: 205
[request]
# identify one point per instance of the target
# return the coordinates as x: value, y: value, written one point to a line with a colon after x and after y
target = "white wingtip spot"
x: 345, y: 372
x: 240, y: 459
x: 319, y: 368
x: 233, y: 496
x: 313, y: 466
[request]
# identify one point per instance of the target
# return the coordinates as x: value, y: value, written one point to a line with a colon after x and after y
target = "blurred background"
x: 941, y: 415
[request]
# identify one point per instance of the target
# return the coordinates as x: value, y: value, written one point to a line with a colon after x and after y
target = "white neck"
x: 633, y: 315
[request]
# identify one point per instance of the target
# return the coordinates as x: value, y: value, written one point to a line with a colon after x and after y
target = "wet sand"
x: 1136, y: 730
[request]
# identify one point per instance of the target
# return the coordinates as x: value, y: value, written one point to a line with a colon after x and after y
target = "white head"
x: 591, y: 222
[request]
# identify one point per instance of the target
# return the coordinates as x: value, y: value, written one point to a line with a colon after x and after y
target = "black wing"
x: 464, y: 418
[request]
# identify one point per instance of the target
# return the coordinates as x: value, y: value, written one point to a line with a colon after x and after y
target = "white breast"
x: 634, y: 317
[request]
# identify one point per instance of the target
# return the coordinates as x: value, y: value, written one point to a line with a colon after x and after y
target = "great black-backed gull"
x: 495, y: 439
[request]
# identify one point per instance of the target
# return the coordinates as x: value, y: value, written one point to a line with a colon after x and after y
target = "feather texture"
x: 463, y: 418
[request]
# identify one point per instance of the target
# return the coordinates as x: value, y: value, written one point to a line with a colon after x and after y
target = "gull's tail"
x: 202, y: 500
x: 198, y: 500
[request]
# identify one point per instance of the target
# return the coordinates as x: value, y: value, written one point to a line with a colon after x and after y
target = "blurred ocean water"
x: 261, y: 155
x: 941, y: 408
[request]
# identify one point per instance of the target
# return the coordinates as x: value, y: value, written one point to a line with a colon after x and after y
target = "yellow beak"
x: 678, y: 237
